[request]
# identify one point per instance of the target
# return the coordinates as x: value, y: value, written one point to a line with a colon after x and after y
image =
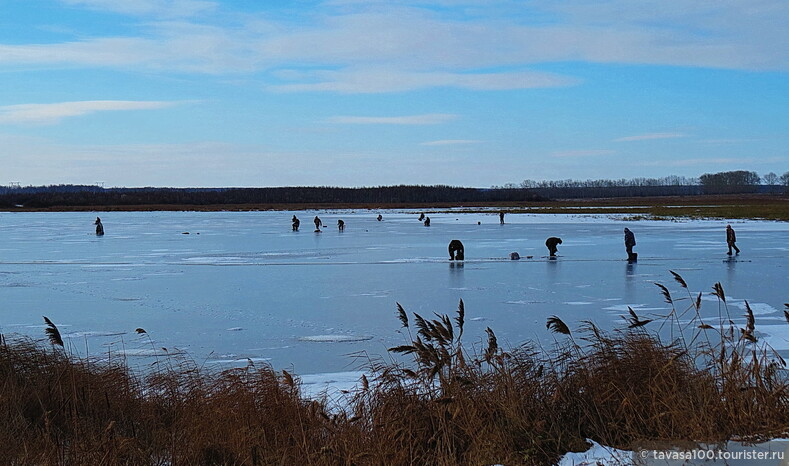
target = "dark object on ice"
x: 731, y: 238
x: 630, y: 241
x: 427, y: 221
x: 340, y: 225
x: 380, y: 217
x: 551, y: 244
x: 456, y: 250
x: 501, y: 217
x: 317, y: 223
x: 99, y: 227
x: 515, y: 256
x: 421, y: 216
x: 296, y: 223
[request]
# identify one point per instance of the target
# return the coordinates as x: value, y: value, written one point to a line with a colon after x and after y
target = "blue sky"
x: 368, y: 93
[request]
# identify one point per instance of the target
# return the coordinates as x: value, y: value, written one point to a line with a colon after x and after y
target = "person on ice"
x: 501, y: 217
x: 731, y: 238
x: 456, y: 250
x: 630, y: 241
x: 318, y: 223
x: 427, y: 221
x: 100, y: 227
x: 296, y: 223
x: 340, y: 225
x: 551, y: 243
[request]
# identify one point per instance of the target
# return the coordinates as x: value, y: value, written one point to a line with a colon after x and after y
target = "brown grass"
x: 450, y: 405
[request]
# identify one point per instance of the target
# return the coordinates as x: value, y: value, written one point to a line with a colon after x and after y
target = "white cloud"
x: 53, y: 113
x: 582, y: 153
x: 450, y: 142
x: 650, y: 136
x: 426, y: 119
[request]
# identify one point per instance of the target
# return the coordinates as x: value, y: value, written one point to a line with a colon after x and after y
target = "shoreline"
x: 755, y: 206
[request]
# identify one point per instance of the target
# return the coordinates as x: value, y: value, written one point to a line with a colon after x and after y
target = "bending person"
x: 296, y: 223
x: 456, y: 250
x: 551, y: 243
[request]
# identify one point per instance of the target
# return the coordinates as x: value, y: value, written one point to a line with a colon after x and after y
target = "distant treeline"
x: 730, y: 182
x: 73, y: 195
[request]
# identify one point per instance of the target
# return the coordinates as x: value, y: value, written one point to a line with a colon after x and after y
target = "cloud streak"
x: 166, y: 8
x: 426, y: 119
x: 54, y: 113
x: 450, y: 142
x: 651, y: 136
x: 582, y: 153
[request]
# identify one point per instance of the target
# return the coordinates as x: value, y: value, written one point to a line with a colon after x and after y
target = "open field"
x: 756, y: 206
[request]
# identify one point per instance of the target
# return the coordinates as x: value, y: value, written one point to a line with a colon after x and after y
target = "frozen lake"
x: 242, y: 286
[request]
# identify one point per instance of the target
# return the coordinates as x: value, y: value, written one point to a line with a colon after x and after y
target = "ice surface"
x: 243, y: 284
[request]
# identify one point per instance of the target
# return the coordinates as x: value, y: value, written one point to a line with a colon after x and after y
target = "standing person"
x: 340, y: 225
x: 427, y: 221
x: 317, y: 223
x: 731, y: 238
x: 551, y: 243
x: 630, y: 241
x: 296, y: 223
x: 100, y: 227
x: 501, y: 217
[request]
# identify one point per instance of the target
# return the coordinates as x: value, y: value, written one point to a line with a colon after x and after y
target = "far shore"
x: 752, y: 206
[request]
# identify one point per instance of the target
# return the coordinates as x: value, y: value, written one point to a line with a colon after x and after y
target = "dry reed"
x: 450, y: 405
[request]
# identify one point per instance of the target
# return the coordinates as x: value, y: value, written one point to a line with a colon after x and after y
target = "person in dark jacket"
x: 341, y: 225
x: 731, y: 238
x: 501, y: 217
x: 296, y: 223
x: 317, y: 223
x: 630, y: 241
x: 551, y: 243
x: 456, y: 250
x: 100, y: 227
x: 427, y: 221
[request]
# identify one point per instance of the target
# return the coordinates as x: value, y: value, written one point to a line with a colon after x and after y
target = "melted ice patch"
x: 330, y: 383
x: 92, y: 334
x: 335, y: 338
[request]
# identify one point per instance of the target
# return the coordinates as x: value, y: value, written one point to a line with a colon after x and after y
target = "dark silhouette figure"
x: 630, y: 241
x: 731, y: 238
x: 427, y: 221
x: 421, y: 216
x: 296, y: 223
x: 456, y: 250
x: 501, y: 217
x: 551, y: 244
x: 100, y: 227
x: 380, y: 217
x: 341, y: 225
x: 317, y: 223
x: 515, y: 256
